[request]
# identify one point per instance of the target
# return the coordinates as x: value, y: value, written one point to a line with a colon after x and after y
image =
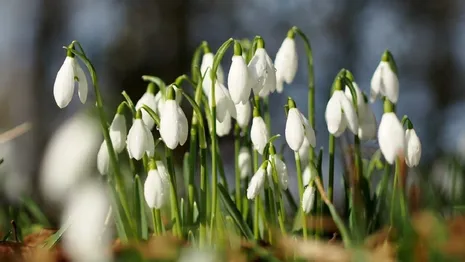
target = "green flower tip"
x: 151, y: 88
x: 121, y: 108
x: 139, y: 114
x: 152, y: 164
x: 206, y: 47
x: 406, y: 121
x: 70, y: 46
x: 338, y: 84
x: 386, y: 57
x: 256, y: 112
x: 237, y: 48
x: 349, y: 76
x: 389, y: 107
x: 290, y: 103
x: 291, y: 32
x: 260, y: 42
x: 271, y: 149
x: 170, y: 92
x: 264, y: 164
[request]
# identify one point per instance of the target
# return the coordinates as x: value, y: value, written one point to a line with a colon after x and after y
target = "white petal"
x: 308, y: 198
x: 83, y: 88
x: 259, y: 134
x: 309, y: 132
x: 183, y: 126
x: 150, y: 147
x: 376, y: 83
x: 118, y: 132
x: 103, y: 159
x: 163, y: 172
x: 304, y: 150
x: 245, y: 162
x: 391, y: 137
x: 279, y: 83
x: 413, y: 150
x: 256, y: 183
x: 244, y: 113
x: 287, y: 60
x: 270, y: 80
x: 154, y: 190
x: 237, y: 80
x: 63, y: 88
x: 169, y: 124
x: 358, y: 92
x: 281, y: 170
x: 149, y: 100
x: 333, y: 114
x: 207, y: 62
x: 294, y: 129
x: 390, y: 83
x: 257, y: 70
x: 223, y: 103
x: 308, y: 173
x: 367, y: 121
x: 349, y: 113
x: 137, y: 139
x: 223, y: 128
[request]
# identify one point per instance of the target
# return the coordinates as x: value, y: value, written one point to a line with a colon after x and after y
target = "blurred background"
x: 126, y: 39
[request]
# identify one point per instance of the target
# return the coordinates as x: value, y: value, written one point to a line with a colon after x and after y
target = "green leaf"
x: 198, y: 113
x: 141, y: 216
x: 234, y: 212
x: 122, y: 225
x: 156, y: 80
x: 35, y: 211
x: 53, y: 239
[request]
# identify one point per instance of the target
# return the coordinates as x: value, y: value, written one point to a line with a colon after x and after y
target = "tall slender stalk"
x: 300, y: 183
x: 203, y: 198
x: 237, y: 171
x: 332, y: 148
x: 256, y: 221
x: 174, y: 193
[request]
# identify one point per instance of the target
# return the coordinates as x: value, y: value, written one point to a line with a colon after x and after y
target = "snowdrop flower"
x: 223, y: 128
x: 103, y: 159
x: 366, y: 117
x: 238, y: 77
x: 257, y: 182
x: 205, y: 67
x: 118, y: 130
x: 173, y: 123
x: 299, y: 134
x: 281, y: 170
x: 69, y: 157
x: 308, y: 173
x: 86, y: 239
x: 140, y: 139
x: 391, y: 136
x: 156, y: 188
x: 308, y: 199
x: 340, y: 112
x: 245, y: 162
x: 148, y: 99
x: 63, y: 89
x: 258, y: 133
x: 244, y: 114
x: 413, y: 146
x: 161, y: 99
x: 262, y: 73
x: 286, y: 61
x: 223, y: 102
x: 384, y: 81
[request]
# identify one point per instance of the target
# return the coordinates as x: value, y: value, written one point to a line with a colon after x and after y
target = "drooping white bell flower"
x: 281, y: 170
x: 161, y: 99
x: 340, y: 113
x: 224, y: 104
x: 103, y: 159
x: 86, y: 238
x: 205, y: 67
x: 244, y: 114
x: 367, y: 123
x: 413, y: 148
x: 294, y: 129
x: 223, y: 128
x: 156, y: 190
x: 163, y: 172
x: 63, y: 88
x: 360, y: 98
x: 173, y: 125
x: 257, y: 182
x: 140, y: 139
x: 238, y: 80
x: 118, y: 132
x: 286, y: 62
x: 262, y: 73
x: 259, y: 133
x: 245, y: 162
x: 69, y: 157
x: 391, y: 137
x: 384, y: 81
x: 308, y: 199
x: 148, y: 99
x: 308, y: 173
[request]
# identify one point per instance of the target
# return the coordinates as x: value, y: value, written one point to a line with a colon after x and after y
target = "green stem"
x: 192, y: 168
x: 174, y: 194
x: 237, y: 171
x: 300, y: 183
x: 203, y: 198
x: 256, y: 221
x: 332, y: 148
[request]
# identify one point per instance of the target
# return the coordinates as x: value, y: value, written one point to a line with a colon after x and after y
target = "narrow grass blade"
x: 35, y: 211
x: 234, y: 212
x: 139, y: 204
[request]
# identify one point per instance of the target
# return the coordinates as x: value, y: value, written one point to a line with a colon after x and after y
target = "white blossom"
x: 103, y: 159
x: 413, y: 148
x: 173, y: 125
x: 244, y: 114
x: 340, y: 113
x: 308, y: 199
x: 223, y: 128
x: 238, y: 80
x: 223, y: 102
x: 262, y: 73
x: 286, y: 63
x: 384, y: 83
x: 391, y: 137
x: 149, y: 100
x: 63, y: 88
x: 118, y: 132
x: 256, y: 183
x: 156, y: 190
x: 245, y: 162
x: 281, y: 170
x: 259, y: 134
x: 140, y: 140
